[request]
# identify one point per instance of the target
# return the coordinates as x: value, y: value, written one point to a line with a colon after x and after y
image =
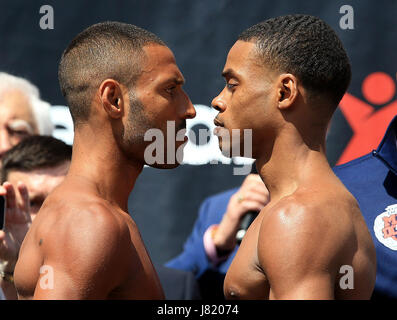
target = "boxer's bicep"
x: 293, y: 256
x: 313, y: 286
x: 56, y: 283
x: 84, y: 262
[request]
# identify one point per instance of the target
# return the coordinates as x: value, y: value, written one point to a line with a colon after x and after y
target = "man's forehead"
x: 16, y: 102
x: 159, y: 66
x: 32, y: 180
x: 240, y: 54
x: 37, y: 183
x: 245, y: 61
x: 159, y: 61
x: 54, y: 171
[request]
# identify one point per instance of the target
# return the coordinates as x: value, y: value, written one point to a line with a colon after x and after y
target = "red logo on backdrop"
x: 368, y: 125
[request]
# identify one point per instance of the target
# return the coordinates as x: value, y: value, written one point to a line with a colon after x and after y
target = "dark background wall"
x: 200, y: 32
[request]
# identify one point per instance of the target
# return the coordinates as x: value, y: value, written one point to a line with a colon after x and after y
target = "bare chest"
x: 245, y: 278
x: 142, y: 281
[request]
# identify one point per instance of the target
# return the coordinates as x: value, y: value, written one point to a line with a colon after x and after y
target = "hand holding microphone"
x: 244, y: 225
x: 242, y: 209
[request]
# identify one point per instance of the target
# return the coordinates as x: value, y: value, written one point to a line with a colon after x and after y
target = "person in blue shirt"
x: 372, y: 179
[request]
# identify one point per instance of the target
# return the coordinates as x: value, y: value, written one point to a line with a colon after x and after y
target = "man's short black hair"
x: 35, y: 152
x: 105, y: 50
x: 306, y: 47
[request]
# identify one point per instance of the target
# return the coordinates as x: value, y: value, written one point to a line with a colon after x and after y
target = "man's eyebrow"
x: 177, y: 80
x: 19, y: 124
x: 229, y: 73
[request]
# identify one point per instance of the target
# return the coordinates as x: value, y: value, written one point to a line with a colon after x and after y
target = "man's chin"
x: 165, y: 160
x: 231, y: 152
x: 170, y: 163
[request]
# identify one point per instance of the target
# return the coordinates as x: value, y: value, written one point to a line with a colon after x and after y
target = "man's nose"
x: 190, y: 111
x: 218, y: 103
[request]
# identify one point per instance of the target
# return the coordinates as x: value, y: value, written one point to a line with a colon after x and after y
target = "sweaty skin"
x: 312, y: 226
x: 297, y: 245
x: 83, y: 244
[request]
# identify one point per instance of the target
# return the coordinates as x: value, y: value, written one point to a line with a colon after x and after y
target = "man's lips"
x: 217, y: 123
x: 219, y: 127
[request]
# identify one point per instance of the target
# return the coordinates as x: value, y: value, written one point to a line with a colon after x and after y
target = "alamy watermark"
x: 46, y: 281
x: 47, y: 19
x: 347, y: 20
x: 347, y: 280
x: 163, y: 150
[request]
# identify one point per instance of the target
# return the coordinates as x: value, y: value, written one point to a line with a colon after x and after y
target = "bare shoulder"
x: 85, y: 245
x: 305, y: 238
x: 85, y: 227
x: 309, y: 225
x: 90, y: 221
x: 315, y: 208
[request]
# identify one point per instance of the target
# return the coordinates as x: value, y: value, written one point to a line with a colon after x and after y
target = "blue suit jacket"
x: 193, y: 257
x: 372, y: 179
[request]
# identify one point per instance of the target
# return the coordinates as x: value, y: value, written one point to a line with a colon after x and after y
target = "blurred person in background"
x: 30, y: 171
x: 22, y: 112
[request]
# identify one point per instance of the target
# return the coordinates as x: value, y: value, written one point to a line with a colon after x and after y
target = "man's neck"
x: 104, y: 166
x: 291, y: 163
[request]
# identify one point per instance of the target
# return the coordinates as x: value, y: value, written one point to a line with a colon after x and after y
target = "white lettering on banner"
x: 63, y: 123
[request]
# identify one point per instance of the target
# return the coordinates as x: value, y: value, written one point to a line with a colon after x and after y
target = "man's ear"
x: 112, y: 98
x: 287, y: 90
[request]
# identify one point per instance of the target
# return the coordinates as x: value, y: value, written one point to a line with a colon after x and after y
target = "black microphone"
x: 245, y: 223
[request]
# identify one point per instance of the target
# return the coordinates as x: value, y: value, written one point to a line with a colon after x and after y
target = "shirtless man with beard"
x: 119, y: 81
x: 284, y: 80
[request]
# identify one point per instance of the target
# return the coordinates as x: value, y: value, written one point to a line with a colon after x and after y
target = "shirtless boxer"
x: 284, y: 79
x: 119, y: 81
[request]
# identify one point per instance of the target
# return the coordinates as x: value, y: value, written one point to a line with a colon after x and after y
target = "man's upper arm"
x: 83, y: 260
x: 294, y: 257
